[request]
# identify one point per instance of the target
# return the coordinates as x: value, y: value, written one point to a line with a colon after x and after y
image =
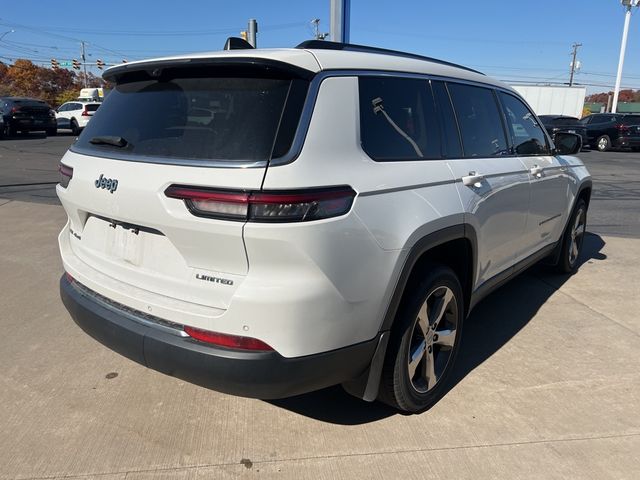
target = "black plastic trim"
x: 501, y: 278
x: 265, y: 375
x: 114, y: 74
x: 426, y: 243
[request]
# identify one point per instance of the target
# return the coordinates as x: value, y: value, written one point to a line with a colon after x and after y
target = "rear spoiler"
x: 156, y: 68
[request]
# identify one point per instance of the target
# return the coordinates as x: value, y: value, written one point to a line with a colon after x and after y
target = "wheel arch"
x: 442, y: 246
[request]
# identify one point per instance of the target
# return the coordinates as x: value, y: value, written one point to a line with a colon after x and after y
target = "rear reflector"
x: 66, y: 174
x: 271, y: 206
x: 228, y: 341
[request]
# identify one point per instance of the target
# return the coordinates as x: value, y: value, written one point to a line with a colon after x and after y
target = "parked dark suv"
x: 562, y: 123
x: 27, y: 115
x: 613, y: 130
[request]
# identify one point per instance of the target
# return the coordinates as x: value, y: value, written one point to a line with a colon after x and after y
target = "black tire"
x: 75, y: 129
x: 573, y: 238
x: 52, y: 132
x: 413, y: 392
x: 603, y: 143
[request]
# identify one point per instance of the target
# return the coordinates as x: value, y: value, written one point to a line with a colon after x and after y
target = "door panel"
x: 497, y: 207
x: 492, y: 184
x: 547, y: 210
x: 549, y: 197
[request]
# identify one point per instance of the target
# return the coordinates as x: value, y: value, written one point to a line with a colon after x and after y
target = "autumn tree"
x: 55, y: 87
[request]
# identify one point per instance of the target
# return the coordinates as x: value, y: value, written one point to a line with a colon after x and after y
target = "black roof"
x: 352, y: 47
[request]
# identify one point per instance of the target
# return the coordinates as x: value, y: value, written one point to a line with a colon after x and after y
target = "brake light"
x: 66, y: 174
x: 622, y: 128
x: 274, y: 206
x: 228, y: 341
x: 84, y: 113
x: 15, y: 109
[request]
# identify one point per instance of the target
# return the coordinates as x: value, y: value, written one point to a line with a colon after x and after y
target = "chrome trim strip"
x: 549, y: 219
x: 130, y: 313
x: 303, y: 124
x: 371, y: 193
x: 314, y: 88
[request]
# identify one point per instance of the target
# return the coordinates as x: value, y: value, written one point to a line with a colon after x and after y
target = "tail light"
x: 228, y: 341
x: 15, y: 110
x: 66, y: 174
x: 274, y: 206
x: 84, y: 113
x: 622, y: 128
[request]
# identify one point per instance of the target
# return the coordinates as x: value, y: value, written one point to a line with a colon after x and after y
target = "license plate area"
x: 125, y: 243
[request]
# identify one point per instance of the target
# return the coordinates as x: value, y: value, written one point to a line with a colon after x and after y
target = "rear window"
x: 92, y: 107
x: 565, y: 121
x: 219, y: 118
x: 631, y: 120
x: 30, y: 103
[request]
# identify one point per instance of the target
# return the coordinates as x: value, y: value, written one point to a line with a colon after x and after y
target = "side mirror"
x: 567, y: 143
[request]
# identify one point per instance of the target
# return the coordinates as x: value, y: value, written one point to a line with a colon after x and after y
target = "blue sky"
x: 512, y: 40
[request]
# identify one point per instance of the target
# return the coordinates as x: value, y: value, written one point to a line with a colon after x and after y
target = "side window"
x: 64, y: 107
x: 479, y: 120
x: 398, y: 119
x: 526, y: 134
x: 75, y: 106
x: 448, y: 127
x: 586, y: 120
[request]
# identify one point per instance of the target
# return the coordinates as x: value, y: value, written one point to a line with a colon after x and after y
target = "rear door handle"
x: 536, y: 171
x: 473, y: 179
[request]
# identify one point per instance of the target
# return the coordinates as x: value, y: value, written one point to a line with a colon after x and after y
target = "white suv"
x: 75, y: 115
x: 334, y: 221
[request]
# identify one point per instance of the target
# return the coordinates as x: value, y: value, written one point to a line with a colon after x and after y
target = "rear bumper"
x: 265, y: 375
x: 627, y: 142
x: 32, y: 125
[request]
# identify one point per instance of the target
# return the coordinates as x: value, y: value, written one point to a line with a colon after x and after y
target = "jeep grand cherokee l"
x: 334, y: 221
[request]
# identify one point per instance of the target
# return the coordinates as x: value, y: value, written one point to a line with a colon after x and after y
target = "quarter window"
x: 479, y: 121
x: 398, y: 119
x: 526, y: 134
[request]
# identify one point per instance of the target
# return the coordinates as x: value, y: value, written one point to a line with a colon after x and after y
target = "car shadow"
x: 494, y: 321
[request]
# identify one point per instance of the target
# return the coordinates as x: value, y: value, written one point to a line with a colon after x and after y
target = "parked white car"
x: 75, y: 115
x: 335, y: 221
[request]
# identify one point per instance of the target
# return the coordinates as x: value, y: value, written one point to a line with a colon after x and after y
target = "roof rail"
x: 351, y: 47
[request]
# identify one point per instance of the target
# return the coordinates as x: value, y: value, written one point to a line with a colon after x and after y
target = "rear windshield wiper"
x: 109, y: 140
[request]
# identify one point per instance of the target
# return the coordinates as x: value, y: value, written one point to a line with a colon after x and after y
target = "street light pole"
x: 629, y: 4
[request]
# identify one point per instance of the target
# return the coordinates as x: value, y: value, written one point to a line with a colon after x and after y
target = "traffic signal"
x: 100, y: 64
x: 243, y: 35
x: 76, y: 64
x: 54, y: 64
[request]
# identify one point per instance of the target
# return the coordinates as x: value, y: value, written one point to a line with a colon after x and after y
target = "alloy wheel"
x: 432, y: 339
x: 577, y: 235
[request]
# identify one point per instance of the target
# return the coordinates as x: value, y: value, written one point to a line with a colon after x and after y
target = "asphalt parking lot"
x: 547, y: 384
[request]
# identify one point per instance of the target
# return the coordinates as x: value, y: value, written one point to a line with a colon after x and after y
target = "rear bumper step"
x: 265, y: 375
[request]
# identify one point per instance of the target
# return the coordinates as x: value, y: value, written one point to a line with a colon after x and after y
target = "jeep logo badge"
x: 107, y: 183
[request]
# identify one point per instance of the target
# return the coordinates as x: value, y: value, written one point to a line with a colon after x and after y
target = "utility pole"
x: 316, y: 28
x: 340, y: 13
x: 629, y: 4
x: 575, y: 47
x: 251, y: 32
x: 84, y: 63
